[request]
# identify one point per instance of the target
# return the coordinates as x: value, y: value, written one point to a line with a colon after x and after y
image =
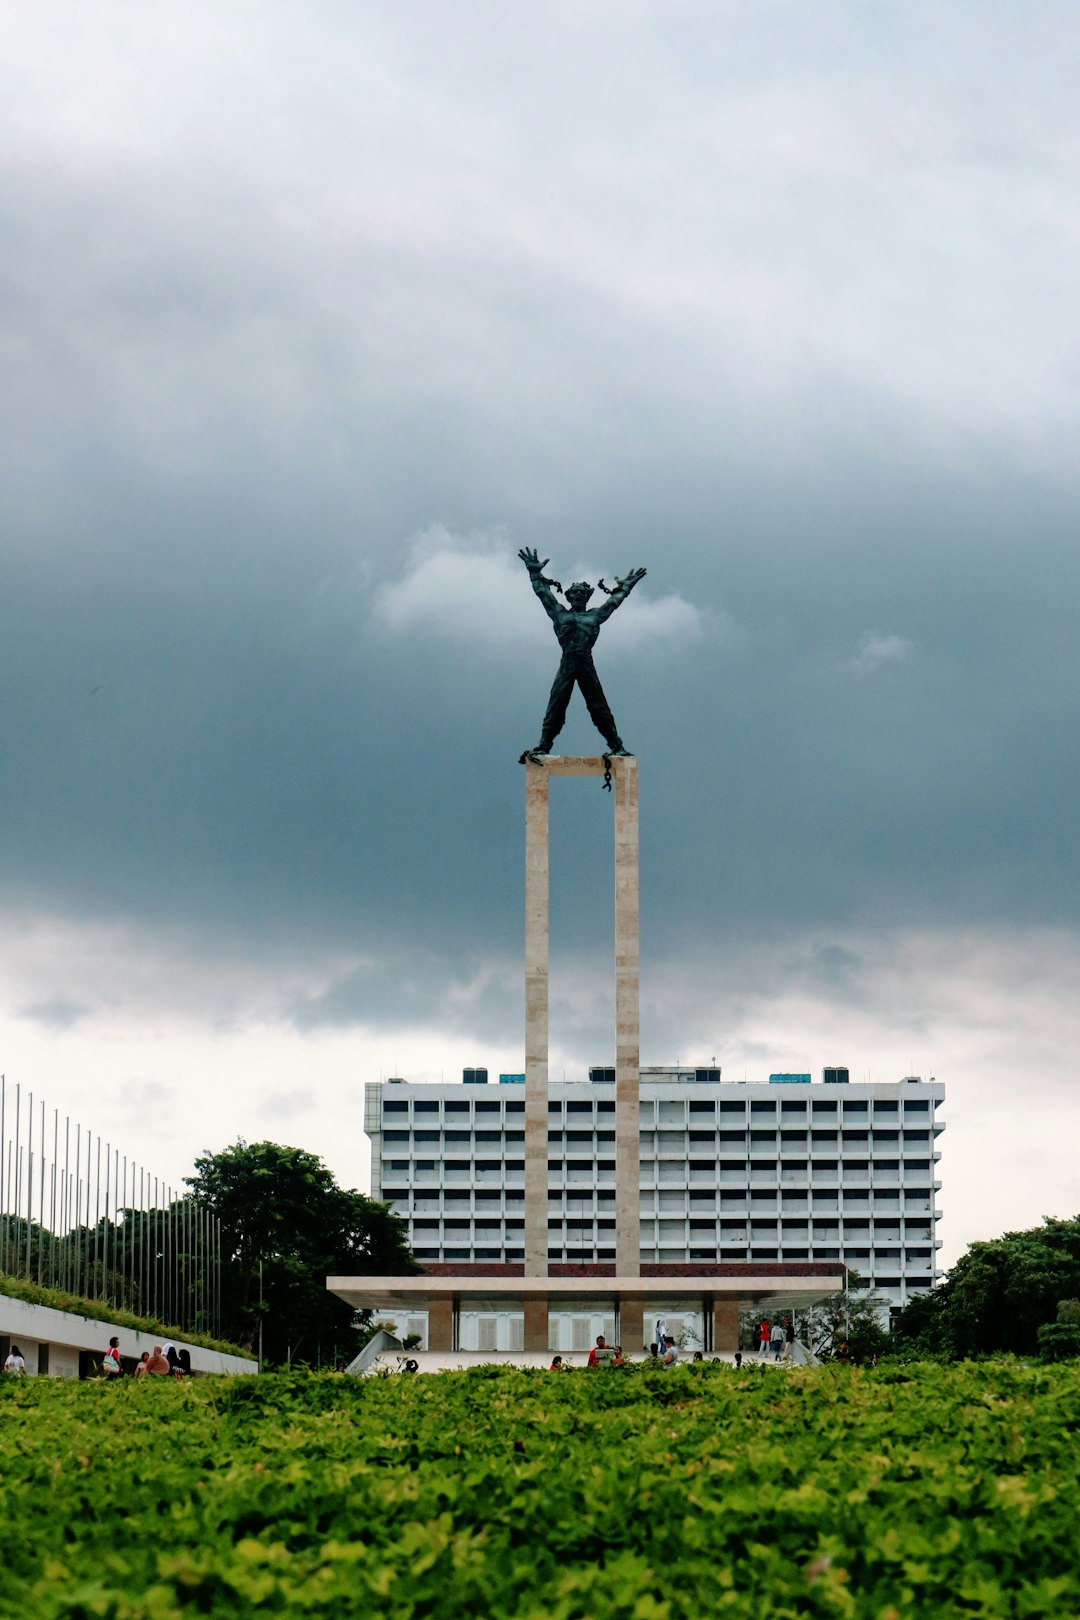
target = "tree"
x: 854, y: 1314
x: 285, y: 1227
x: 998, y: 1294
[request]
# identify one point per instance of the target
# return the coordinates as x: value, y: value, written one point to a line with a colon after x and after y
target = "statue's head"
x: 578, y: 595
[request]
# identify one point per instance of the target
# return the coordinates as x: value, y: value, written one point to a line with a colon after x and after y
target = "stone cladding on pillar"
x: 536, y: 1021
x: 627, y: 996
x: 627, y: 956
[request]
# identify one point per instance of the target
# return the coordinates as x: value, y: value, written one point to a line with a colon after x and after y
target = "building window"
x: 395, y: 1108
x: 423, y: 1107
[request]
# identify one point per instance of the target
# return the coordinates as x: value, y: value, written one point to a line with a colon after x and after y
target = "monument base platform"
x: 718, y: 1293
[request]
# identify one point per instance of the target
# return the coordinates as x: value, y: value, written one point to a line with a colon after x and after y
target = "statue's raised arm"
x: 618, y: 596
x: 540, y: 585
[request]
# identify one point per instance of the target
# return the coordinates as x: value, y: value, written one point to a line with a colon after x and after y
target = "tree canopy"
x: 286, y: 1226
x: 998, y: 1295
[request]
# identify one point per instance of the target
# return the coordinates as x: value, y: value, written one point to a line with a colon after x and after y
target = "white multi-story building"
x: 746, y: 1172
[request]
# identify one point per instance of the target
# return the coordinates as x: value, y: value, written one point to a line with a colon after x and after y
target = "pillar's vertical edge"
x: 627, y: 1035
x: 536, y: 1022
x: 536, y: 1322
x: 441, y: 1324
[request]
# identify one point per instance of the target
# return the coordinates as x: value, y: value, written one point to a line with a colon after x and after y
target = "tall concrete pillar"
x: 627, y: 1049
x: 627, y: 969
x: 536, y: 1021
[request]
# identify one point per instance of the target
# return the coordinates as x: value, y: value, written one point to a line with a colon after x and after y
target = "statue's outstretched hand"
x: 532, y: 561
x: 632, y: 578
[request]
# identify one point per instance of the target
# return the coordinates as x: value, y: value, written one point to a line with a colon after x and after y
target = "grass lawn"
x: 887, y: 1494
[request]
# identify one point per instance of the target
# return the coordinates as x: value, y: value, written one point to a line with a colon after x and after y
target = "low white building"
x: 61, y: 1344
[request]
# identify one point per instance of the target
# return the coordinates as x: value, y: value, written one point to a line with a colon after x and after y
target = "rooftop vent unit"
x: 836, y: 1077
x: 395, y: 1080
x: 475, y: 1077
x: 789, y: 1079
x: 912, y: 1080
x: 602, y: 1077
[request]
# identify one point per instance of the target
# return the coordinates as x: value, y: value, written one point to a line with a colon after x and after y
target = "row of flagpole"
x: 77, y: 1215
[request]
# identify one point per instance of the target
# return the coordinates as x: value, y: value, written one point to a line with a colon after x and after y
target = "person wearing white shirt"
x: 15, y: 1363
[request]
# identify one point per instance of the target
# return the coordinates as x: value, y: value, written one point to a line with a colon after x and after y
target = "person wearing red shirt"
x: 601, y: 1355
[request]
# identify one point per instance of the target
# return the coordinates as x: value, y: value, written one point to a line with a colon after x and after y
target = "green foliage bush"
x: 1059, y: 1341
x: 98, y: 1310
x: 833, y: 1493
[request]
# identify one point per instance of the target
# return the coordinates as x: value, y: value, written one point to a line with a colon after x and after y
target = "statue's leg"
x: 602, y: 717
x: 558, y: 702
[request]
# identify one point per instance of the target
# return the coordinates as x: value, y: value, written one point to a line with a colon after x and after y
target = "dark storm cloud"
x: 769, y: 344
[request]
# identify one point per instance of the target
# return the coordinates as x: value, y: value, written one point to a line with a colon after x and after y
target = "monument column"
x: 536, y: 1020
x: 627, y: 1021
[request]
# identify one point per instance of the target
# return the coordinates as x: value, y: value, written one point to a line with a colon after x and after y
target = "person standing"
x: 110, y: 1361
x: 601, y: 1355
x: 776, y: 1338
x: 15, y: 1363
x: 671, y: 1352
x: 789, y: 1337
x: 763, y: 1337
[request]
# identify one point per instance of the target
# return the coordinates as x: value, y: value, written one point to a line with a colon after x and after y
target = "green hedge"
x: 99, y: 1311
x: 834, y: 1493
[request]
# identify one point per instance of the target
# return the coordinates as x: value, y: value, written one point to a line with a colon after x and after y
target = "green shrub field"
x: 891, y: 1493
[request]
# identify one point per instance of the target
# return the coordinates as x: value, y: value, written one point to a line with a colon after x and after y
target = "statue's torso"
x: 577, y: 632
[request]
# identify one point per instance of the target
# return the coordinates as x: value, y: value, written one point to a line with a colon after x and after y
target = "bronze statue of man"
x: 577, y: 629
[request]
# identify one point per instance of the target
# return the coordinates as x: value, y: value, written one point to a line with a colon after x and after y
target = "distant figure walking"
x: 763, y: 1337
x: 789, y: 1338
x: 777, y: 1340
x: 15, y: 1363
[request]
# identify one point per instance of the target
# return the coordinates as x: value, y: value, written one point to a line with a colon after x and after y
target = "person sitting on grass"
x: 140, y: 1370
x: 558, y: 1365
x: 157, y: 1366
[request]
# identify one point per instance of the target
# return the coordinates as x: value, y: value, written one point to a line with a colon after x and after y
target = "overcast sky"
x: 310, y: 317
